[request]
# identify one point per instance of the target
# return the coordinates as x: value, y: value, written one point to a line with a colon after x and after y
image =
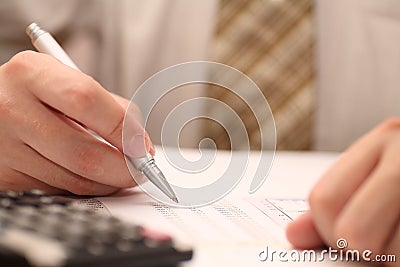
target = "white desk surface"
x: 292, y: 176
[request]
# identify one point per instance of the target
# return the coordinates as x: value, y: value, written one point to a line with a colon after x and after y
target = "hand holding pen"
x: 46, y: 109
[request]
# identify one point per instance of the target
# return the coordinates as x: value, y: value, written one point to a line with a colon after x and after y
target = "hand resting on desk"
x: 358, y: 199
x: 46, y: 108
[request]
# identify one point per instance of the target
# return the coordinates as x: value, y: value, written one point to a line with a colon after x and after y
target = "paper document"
x: 281, y: 211
x: 230, y: 232
x: 234, y: 230
x: 217, y: 221
x: 229, y: 221
x: 242, y: 225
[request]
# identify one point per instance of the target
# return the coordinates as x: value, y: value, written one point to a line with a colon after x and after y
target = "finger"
x: 334, y: 189
x: 370, y: 218
x: 302, y: 233
x: 17, y: 181
x: 149, y: 145
x: 74, y: 94
x: 125, y: 104
x: 56, y: 176
x: 70, y: 146
x: 393, y: 249
x: 136, y: 142
x: 133, y: 109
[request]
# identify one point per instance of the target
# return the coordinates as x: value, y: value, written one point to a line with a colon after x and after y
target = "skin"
x: 358, y: 198
x: 46, y: 109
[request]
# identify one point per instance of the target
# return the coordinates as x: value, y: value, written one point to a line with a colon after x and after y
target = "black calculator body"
x: 41, y: 230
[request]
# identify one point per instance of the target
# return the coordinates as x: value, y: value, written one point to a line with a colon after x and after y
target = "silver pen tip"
x: 175, y: 199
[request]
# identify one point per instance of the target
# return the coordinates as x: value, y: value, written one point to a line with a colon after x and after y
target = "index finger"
x: 79, y: 97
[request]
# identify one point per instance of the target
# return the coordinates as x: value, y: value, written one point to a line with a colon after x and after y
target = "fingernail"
x: 137, y: 146
x: 149, y: 144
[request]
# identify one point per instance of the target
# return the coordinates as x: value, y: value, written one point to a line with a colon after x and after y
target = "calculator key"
x: 9, y: 194
x: 81, y: 236
x: 131, y: 233
x: 34, y: 193
x: 6, y: 203
x: 96, y: 248
x: 26, y: 211
x: 53, y: 209
x: 124, y: 245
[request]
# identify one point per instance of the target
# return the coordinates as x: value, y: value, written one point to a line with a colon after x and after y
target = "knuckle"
x: 321, y: 199
x: 81, y: 93
x: 127, y: 182
x: 14, y: 76
x: 133, y: 108
x: 20, y: 63
x: 390, y: 124
x: 80, y: 186
x: 342, y: 229
x: 357, y: 236
x: 88, y: 161
x: 7, y: 107
x: 85, y: 187
x: 6, y: 181
x: 10, y: 179
x: 116, y: 132
x: 104, y: 191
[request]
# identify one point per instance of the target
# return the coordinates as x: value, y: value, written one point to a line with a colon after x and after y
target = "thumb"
x: 136, y: 141
x: 302, y: 233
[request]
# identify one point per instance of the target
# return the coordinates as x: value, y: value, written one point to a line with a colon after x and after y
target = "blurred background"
x: 330, y: 70
x: 273, y: 43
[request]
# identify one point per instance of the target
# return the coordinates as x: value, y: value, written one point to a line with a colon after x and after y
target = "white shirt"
x: 358, y: 68
x: 120, y: 43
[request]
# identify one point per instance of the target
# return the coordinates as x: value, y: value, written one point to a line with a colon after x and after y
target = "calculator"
x: 41, y: 230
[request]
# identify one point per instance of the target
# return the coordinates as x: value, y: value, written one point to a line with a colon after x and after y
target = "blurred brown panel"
x: 271, y: 41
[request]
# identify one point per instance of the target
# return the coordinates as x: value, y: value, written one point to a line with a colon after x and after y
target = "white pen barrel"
x: 45, y: 43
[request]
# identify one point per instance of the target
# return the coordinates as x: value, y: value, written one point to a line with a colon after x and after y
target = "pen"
x: 45, y: 43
